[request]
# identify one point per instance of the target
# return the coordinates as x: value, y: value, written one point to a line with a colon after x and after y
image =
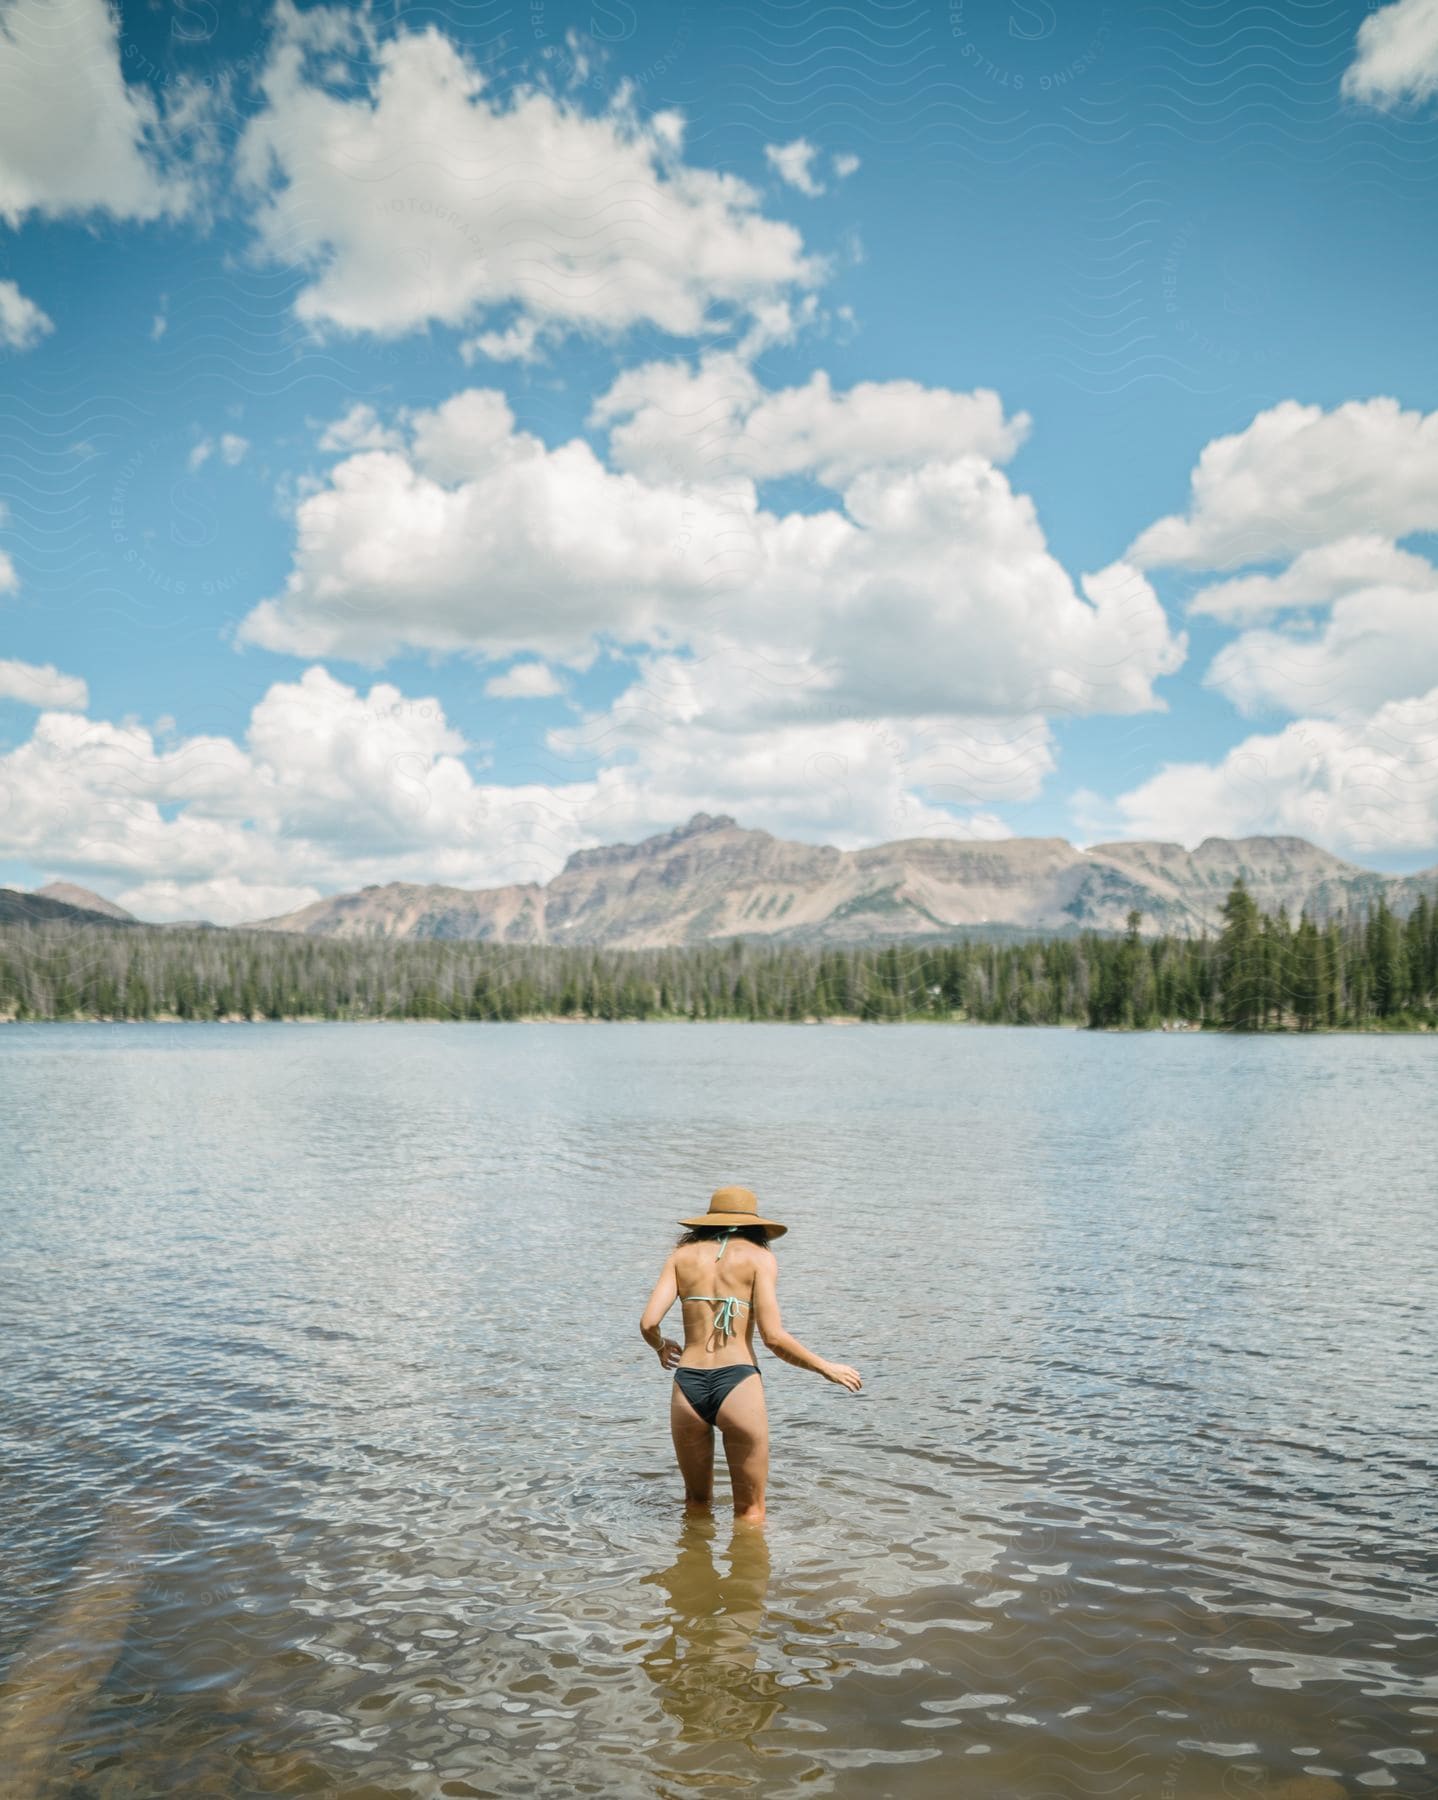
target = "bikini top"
x: 724, y: 1318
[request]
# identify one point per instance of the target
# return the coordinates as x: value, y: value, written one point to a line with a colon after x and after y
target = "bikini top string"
x: 728, y: 1303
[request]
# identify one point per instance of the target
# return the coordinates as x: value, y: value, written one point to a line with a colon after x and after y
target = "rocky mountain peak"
x: 604, y: 856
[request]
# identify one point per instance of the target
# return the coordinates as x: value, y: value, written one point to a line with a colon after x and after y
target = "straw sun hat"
x: 735, y: 1206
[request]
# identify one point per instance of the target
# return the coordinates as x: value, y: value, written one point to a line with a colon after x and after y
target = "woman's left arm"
x: 666, y: 1292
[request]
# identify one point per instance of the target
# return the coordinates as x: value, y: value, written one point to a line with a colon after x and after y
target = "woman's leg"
x: 744, y: 1420
x: 694, y: 1448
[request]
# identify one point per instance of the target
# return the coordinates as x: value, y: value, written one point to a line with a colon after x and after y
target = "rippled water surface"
x: 334, y: 1463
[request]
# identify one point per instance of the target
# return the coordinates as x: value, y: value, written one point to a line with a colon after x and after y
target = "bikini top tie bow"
x: 727, y: 1303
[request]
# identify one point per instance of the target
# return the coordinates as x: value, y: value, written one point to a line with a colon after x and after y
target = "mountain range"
x: 713, y: 878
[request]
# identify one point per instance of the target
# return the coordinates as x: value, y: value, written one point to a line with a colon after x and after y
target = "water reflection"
x: 705, y: 1667
x: 51, y: 1686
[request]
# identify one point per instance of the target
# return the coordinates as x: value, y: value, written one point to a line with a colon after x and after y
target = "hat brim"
x: 727, y: 1218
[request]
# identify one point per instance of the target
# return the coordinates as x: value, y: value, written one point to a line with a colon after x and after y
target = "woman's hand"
x: 669, y: 1353
x: 842, y: 1375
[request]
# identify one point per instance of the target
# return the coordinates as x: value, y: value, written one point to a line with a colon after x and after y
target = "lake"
x: 334, y: 1462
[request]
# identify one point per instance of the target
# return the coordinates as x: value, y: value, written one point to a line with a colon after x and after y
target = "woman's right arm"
x: 783, y: 1343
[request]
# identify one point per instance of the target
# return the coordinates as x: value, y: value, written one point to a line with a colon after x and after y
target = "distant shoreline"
x: 1370, y: 973
x: 1166, y: 1030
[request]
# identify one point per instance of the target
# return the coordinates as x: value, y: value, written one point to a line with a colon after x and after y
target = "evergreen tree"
x: 1241, y: 957
x: 1385, y: 961
x: 1306, y: 981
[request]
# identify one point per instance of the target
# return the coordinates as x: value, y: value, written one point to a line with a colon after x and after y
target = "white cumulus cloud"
x: 360, y: 429
x: 931, y: 590
x: 1315, y: 578
x: 672, y: 419
x: 330, y: 787
x: 525, y: 681
x: 1379, y: 641
x: 41, y: 684
x: 689, y: 732
x: 1343, y: 637
x: 479, y: 538
x: 22, y: 322
x: 520, y: 343
x: 427, y: 197
x: 794, y: 163
x: 1298, y: 477
x: 1365, y: 786
x: 1397, y: 55
x: 75, y: 136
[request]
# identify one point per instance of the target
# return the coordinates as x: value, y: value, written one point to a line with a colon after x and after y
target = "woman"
x: 725, y: 1273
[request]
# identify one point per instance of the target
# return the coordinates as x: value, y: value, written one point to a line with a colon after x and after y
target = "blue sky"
x: 440, y: 438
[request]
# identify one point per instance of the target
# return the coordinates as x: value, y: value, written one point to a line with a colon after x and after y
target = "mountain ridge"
x: 713, y: 878
x: 20, y: 908
x: 84, y: 899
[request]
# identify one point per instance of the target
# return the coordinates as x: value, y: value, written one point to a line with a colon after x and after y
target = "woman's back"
x: 719, y: 1280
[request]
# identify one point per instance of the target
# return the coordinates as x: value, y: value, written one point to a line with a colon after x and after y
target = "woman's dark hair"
x: 702, y: 1234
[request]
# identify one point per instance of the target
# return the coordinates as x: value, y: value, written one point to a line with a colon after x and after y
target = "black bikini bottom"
x: 707, y: 1389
